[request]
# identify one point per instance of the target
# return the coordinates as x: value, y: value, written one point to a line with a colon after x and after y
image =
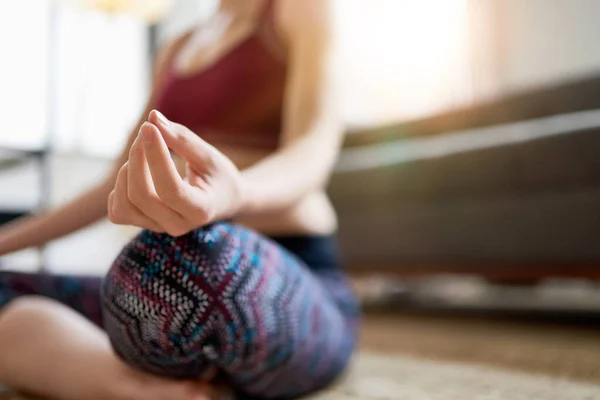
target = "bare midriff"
x: 313, y: 215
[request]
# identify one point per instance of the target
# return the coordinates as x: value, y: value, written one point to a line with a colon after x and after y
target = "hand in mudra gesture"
x: 150, y: 193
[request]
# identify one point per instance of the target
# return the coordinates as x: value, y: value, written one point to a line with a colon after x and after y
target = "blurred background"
x: 469, y: 182
x: 471, y: 166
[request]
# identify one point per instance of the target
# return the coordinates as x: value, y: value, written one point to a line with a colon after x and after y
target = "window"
x: 95, y: 89
x: 24, y: 27
x: 422, y: 53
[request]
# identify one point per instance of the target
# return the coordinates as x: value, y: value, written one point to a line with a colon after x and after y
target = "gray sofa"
x: 509, y: 189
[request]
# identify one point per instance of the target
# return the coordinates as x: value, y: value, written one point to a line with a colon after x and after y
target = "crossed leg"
x: 52, y: 351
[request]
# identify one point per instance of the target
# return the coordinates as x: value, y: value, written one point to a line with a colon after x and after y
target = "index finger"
x: 169, y: 185
x: 182, y: 140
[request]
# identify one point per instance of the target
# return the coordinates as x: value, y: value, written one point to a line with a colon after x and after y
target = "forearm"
x: 286, y: 177
x: 90, y: 206
x: 84, y: 210
x: 34, y: 231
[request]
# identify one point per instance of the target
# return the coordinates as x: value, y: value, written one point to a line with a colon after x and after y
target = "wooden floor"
x: 561, y: 349
x: 550, y: 349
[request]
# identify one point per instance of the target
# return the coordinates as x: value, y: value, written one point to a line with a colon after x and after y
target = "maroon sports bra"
x: 237, y: 100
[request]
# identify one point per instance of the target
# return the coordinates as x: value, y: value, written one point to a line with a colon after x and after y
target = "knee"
x: 148, y: 243
x: 157, y: 299
x: 27, y: 308
x: 27, y: 314
x: 152, y: 259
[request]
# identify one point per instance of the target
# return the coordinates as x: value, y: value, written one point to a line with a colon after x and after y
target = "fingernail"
x: 146, y: 134
x: 162, y: 119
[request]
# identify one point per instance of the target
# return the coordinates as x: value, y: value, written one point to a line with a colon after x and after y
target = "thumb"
x: 182, y: 140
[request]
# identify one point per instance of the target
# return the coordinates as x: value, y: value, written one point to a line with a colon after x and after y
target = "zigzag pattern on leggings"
x: 225, y: 296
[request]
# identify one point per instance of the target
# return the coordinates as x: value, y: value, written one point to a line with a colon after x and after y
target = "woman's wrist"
x: 4, y: 246
x: 9, y: 239
x: 247, y: 197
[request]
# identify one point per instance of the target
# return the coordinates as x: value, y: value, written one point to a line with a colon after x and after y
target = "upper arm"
x: 311, y: 104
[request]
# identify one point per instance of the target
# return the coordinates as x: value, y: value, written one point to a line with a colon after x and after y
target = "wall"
x: 543, y: 41
x: 401, y: 59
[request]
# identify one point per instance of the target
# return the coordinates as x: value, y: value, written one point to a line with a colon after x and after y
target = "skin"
x: 274, y: 193
x: 50, y: 351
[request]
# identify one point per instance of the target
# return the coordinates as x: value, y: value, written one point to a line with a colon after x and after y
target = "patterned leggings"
x: 275, y: 316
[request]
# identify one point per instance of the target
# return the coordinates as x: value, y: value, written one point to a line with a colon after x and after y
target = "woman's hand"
x: 150, y: 192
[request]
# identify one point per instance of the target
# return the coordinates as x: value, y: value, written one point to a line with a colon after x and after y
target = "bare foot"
x: 140, y: 386
x: 49, y: 350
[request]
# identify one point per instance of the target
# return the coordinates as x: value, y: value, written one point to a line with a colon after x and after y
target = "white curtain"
x: 99, y: 85
x: 402, y: 59
x: 24, y: 27
x: 102, y: 77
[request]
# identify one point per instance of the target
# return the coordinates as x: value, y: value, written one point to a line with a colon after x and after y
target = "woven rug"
x: 384, y: 377
x: 408, y: 357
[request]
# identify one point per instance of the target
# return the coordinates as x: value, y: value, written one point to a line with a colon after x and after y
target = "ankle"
x: 129, y: 384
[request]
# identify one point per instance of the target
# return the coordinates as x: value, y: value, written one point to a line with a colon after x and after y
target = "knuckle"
x: 206, y: 210
x: 121, y: 181
x: 182, y: 136
x: 122, y: 171
x: 156, y: 228
x: 172, y: 194
x: 116, y: 216
x: 117, y: 221
x: 177, y: 230
x: 209, y: 161
x: 112, y: 217
x: 199, y: 215
x: 135, y: 148
x: 202, y: 215
x: 137, y: 197
x: 119, y: 191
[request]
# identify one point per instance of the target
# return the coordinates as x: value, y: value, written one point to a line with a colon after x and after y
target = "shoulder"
x: 306, y: 18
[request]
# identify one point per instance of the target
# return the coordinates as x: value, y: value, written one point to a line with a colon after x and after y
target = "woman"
x: 270, y: 314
